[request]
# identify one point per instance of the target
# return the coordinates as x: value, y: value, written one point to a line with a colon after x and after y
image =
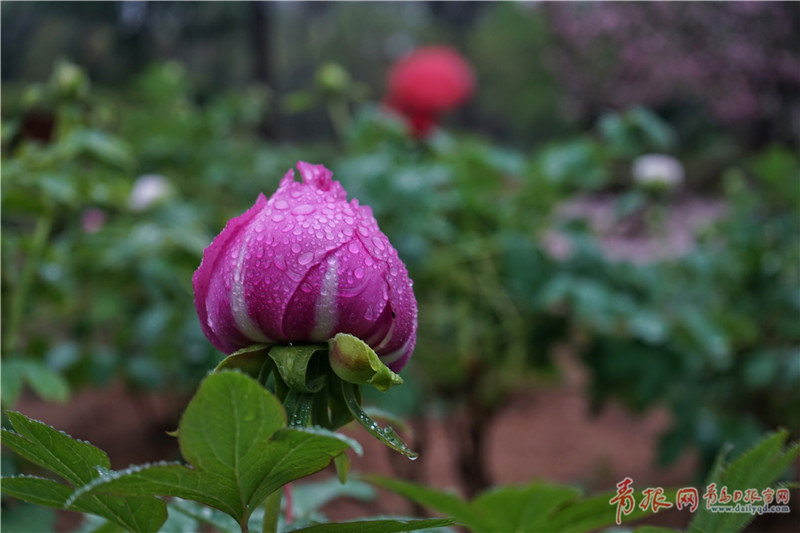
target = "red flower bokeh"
x: 427, y: 83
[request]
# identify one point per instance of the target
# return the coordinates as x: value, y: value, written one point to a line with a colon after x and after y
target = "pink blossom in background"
x: 302, y: 266
x: 93, y: 220
x: 738, y: 59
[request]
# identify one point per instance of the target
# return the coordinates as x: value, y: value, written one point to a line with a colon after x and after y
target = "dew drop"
x: 295, y: 248
x: 305, y: 258
x: 280, y: 262
x: 353, y: 248
x: 277, y: 217
x: 359, y: 273
x: 303, y: 209
x: 363, y: 231
x: 281, y: 204
x: 378, y: 242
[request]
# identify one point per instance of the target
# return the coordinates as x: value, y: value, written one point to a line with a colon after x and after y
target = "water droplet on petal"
x: 282, y: 205
x: 353, y: 248
x: 305, y: 258
x: 378, y: 242
x: 295, y: 248
x: 359, y: 273
x: 304, y: 209
x: 277, y: 217
x: 280, y: 262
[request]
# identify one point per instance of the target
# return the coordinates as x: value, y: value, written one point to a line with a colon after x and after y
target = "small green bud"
x: 333, y: 78
x: 355, y: 362
x: 69, y: 81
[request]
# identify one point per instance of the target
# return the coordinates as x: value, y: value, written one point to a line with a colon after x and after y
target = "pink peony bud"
x: 428, y: 82
x: 302, y: 267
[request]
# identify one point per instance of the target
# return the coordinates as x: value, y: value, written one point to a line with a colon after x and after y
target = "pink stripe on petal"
x: 212, y: 256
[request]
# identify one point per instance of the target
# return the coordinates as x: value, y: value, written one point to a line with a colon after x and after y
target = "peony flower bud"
x: 300, y: 268
x: 427, y: 83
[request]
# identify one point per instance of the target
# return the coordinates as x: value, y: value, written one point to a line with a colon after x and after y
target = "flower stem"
x: 39, y: 240
x: 272, y: 510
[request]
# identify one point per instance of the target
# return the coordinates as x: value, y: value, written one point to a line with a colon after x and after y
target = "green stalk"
x: 272, y: 510
x: 40, y: 236
x: 339, y: 114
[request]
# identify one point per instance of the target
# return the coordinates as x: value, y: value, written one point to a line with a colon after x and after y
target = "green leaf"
x: 232, y: 434
x: 525, y: 508
x: 298, y: 452
x: 386, y: 435
x: 355, y: 362
x: 167, y: 480
x: 37, y: 490
x: 531, y: 508
x: 75, y: 461
x: 758, y: 468
x: 46, y: 383
x: 293, y: 365
x: 11, y: 381
x: 79, y: 463
x: 27, y: 518
x: 224, y: 424
x: 443, y: 502
x: 595, y: 512
x: 377, y: 526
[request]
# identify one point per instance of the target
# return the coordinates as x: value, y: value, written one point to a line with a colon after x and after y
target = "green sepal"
x: 386, y: 435
x: 297, y: 367
x: 355, y: 362
x: 298, y: 406
x: 249, y: 360
x: 339, y: 412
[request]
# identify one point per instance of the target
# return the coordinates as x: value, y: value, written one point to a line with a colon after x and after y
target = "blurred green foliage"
x: 712, y: 334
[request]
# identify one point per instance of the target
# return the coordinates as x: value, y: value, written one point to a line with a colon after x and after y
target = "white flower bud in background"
x: 658, y: 171
x: 148, y: 190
